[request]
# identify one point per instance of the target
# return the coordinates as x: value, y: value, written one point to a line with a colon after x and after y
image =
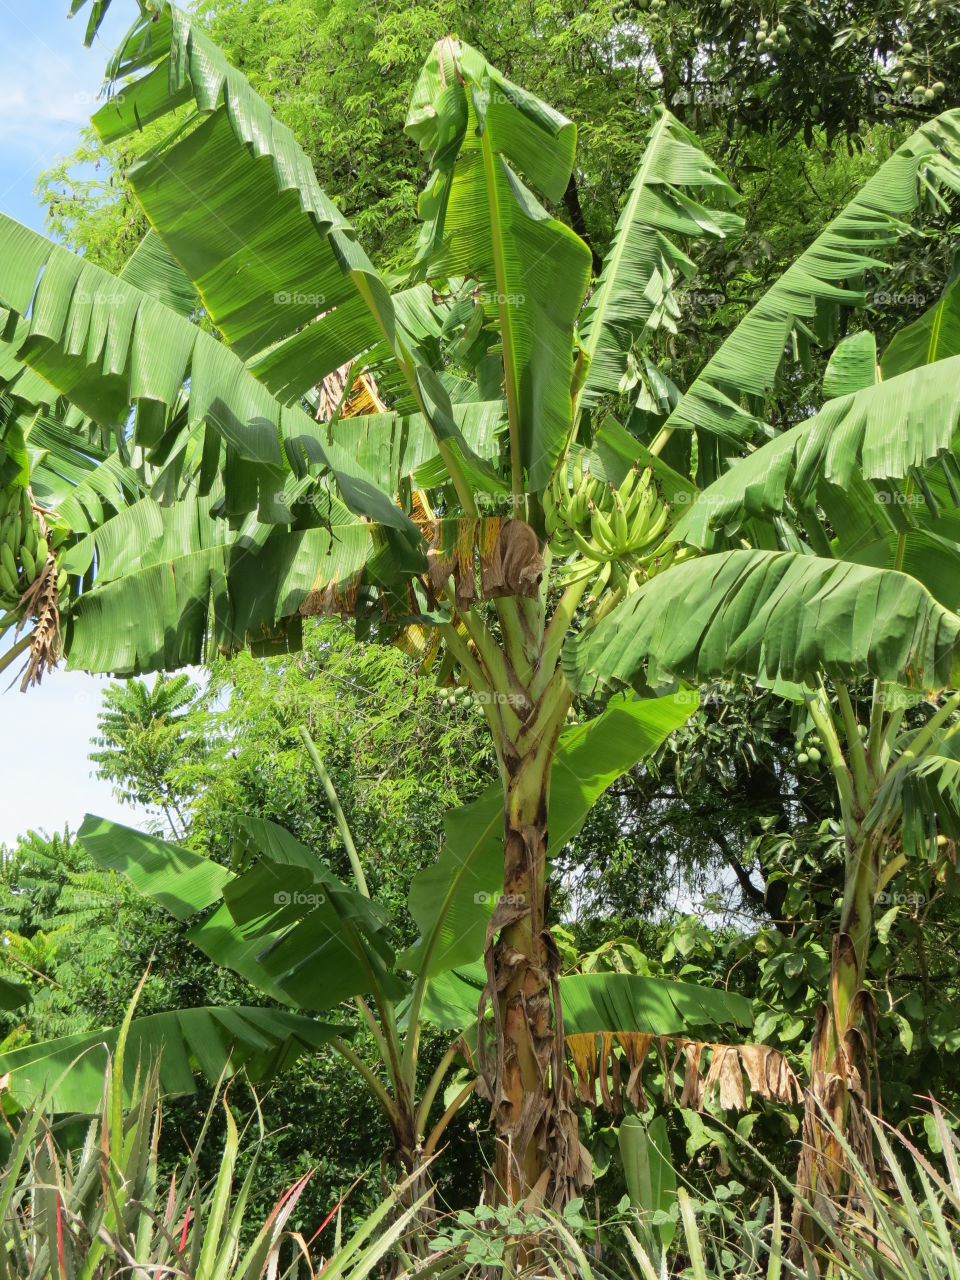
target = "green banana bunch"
x: 615, y: 535
x: 23, y: 547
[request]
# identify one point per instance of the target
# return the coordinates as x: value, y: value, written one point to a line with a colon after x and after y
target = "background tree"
x: 150, y: 745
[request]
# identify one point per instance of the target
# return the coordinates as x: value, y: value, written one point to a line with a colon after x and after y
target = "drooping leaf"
x: 828, y: 275
x: 772, y: 616
x: 285, y: 923
x: 631, y: 1003
x: 186, y: 1042
x: 881, y: 432
x: 322, y: 941
x: 167, y: 575
x: 234, y: 198
x: 600, y: 1003
x: 852, y: 366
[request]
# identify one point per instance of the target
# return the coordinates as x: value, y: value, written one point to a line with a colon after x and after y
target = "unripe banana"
x: 26, y: 509
x: 641, y: 518
x: 601, y: 530
x: 29, y: 564
x: 602, y: 578
x: 589, y: 549
x: 550, y: 516
x: 579, y: 507
x: 620, y: 527
x: 7, y: 585
x: 7, y: 560
x: 627, y: 485
x: 595, y: 490
x: 659, y: 523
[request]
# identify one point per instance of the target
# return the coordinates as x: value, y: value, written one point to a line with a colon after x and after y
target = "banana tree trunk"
x: 842, y: 1051
x: 538, y: 1149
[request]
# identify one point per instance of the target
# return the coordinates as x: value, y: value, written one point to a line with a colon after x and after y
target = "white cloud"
x: 50, y: 82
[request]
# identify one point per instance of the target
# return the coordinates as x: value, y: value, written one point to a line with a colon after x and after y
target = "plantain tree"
x: 496, y: 519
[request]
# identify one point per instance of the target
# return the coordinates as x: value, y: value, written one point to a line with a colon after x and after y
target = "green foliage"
x: 152, y: 745
x: 795, y: 581
x: 104, y: 1202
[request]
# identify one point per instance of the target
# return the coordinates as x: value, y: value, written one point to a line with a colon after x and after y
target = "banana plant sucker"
x: 393, y: 1084
x: 842, y: 1060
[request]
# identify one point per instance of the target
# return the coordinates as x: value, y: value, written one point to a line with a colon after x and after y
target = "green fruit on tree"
x: 814, y: 755
x: 29, y: 564
x: 6, y: 558
x: 906, y: 48
x: 802, y: 758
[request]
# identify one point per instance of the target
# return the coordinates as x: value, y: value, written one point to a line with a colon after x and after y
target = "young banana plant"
x: 494, y: 513
x: 882, y: 768
x: 284, y: 922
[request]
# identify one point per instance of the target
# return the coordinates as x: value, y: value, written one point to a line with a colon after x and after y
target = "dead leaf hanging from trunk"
x: 766, y: 1069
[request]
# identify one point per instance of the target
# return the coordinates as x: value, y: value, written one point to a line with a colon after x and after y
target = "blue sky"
x: 47, y: 93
